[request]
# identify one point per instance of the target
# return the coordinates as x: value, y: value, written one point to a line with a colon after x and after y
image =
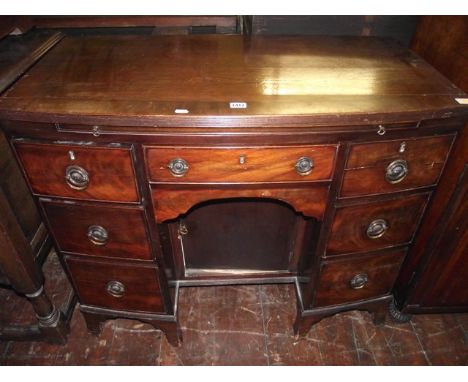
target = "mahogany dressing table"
x: 160, y: 162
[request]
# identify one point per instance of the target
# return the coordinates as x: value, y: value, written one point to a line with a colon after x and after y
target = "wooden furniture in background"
x: 219, y: 146
x: 124, y: 24
x: 159, y: 24
x: 442, y: 41
x: 399, y: 28
x: 433, y: 279
x: 24, y: 240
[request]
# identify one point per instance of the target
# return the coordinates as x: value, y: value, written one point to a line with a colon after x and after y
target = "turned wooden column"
x: 18, y: 264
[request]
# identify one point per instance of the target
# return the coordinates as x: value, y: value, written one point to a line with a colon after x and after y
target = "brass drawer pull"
x: 396, y: 171
x: 377, y: 228
x: 178, y: 167
x: 97, y: 235
x: 77, y: 177
x: 304, y: 166
x: 359, y: 281
x: 115, y: 288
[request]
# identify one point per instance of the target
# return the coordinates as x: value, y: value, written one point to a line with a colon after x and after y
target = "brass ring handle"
x: 377, y: 228
x: 304, y: 166
x: 396, y: 171
x: 359, y: 281
x: 115, y: 288
x: 178, y: 167
x: 97, y: 235
x: 77, y: 177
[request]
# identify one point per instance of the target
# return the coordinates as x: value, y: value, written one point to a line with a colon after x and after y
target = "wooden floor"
x: 240, y: 325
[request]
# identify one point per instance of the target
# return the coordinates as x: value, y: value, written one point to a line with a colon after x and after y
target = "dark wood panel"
x: 368, y: 164
x: 434, y: 276
x: 249, y: 164
x: 442, y: 283
x: 431, y: 227
x: 225, y: 24
x: 170, y: 203
x: 442, y: 41
x: 122, y: 24
x: 400, y: 28
x: 248, y: 235
x: 350, y: 225
x: 297, y: 80
x: 24, y: 244
x: 441, y: 246
x: 14, y: 187
x: 125, y: 229
x: 110, y: 170
x: 9, y: 23
x: 19, y: 52
x: 141, y: 291
x: 336, y: 278
x: 22, y: 272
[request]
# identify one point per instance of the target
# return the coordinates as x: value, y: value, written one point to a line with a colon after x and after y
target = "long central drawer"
x: 227, y: 165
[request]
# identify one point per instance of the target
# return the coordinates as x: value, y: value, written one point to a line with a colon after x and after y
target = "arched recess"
x: 219, y: 232
x: 169, y: 203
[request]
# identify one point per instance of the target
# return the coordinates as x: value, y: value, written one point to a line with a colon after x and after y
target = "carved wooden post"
x: 18, y: 265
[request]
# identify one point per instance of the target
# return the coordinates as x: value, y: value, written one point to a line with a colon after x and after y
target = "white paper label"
x: 238, y: 105
x: 462, y: 101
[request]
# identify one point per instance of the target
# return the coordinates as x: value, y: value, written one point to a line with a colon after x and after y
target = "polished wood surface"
x: 110, y: 169
x: 367, y: 164
x: 336, y: 275
x: 348, y: 231
x: 247, y: 164
x: 141, y: 288
x: 70, y: 224
x: 169, y: 203
x: 348, y: 103
x: 296, y: 80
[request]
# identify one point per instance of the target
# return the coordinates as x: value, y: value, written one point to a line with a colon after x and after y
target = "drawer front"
x: 79, y: 172
x: 346, y: 280
x: 231, y: 165
x: 390, y: 166
x: 121, y: 286
x: 375, y: 225
x: 109, y: 231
